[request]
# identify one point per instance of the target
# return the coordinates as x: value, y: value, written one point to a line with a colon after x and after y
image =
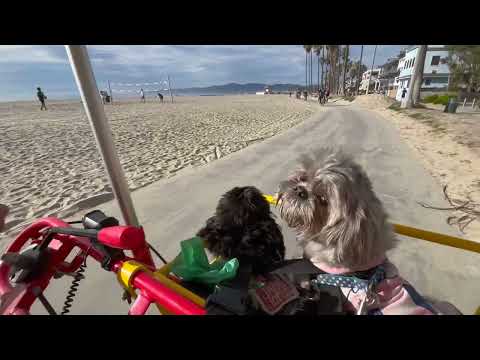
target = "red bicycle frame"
x: 17, y: 300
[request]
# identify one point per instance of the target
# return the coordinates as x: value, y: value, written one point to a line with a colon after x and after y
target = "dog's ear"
x: 211, y: 233
x: 353, y: 228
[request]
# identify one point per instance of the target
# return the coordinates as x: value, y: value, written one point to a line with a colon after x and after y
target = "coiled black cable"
x: 74, y: 286
x: 157, y: 253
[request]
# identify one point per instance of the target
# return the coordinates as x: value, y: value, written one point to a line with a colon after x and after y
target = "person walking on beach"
x: 142, y: 96
x: 404, y: 92
x: 41, y: 96
x: 160, y: 96
x: 321, y: 96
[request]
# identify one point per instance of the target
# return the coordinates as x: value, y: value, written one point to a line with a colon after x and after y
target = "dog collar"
x: 351, y: 281
x: 344, y: 270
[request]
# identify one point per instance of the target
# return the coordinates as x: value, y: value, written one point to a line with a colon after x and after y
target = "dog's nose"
x: 301, y: 192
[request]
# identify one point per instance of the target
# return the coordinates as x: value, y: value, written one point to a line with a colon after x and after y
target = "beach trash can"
x: 451, y: 107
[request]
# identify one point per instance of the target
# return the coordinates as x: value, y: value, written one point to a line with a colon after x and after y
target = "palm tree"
x: 323, y: 62
x: 333, y: 58
x: 371, y: 70
x: 417, y: 77
x: 328, y: 69
x: 360, y: 70
x: 317, y: 52
x: 307, y: 49
x: 311, y: 70
x: 347, y: 48
x: 339, y: 68
x: 318, y: 49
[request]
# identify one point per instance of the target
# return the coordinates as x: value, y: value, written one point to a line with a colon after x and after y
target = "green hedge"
x: 430, y: 99
x: 437, y: 99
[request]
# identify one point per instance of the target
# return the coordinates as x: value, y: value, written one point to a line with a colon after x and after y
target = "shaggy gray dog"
x: 339, y: 220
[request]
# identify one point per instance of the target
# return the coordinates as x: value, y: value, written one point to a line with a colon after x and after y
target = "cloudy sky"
x: 24, y: 67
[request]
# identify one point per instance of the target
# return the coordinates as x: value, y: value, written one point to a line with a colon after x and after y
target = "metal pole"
x: 85, y: 79
x: 170, y: 87
x: 110, y: 89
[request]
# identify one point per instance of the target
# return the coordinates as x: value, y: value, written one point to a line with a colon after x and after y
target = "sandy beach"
x: 50, y: 166
x: 447, y: 145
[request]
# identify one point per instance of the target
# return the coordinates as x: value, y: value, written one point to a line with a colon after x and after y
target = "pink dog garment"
x: 392, y: 296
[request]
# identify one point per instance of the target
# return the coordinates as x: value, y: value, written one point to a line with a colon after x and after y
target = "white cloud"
x: 192, y: 57
x: 31, y: 54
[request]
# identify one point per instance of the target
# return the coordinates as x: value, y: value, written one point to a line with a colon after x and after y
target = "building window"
x: 428, y: 81
x: 442, y: 80
x: 413, y: 61
x: 435, y: 60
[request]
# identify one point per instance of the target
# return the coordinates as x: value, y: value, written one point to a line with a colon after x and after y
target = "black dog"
x: 243, y: 228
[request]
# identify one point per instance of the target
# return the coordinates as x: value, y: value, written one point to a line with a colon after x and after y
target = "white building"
x: 435, y: 72
x: 368, y: 79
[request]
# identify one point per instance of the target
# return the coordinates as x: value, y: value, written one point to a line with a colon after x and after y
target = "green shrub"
x: 430, y: 98
x: 439, y: 99
x: 442, y: 100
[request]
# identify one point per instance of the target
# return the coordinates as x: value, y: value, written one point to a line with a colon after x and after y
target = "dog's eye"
x: 301, y: 178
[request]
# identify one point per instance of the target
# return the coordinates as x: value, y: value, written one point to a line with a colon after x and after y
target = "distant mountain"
x: 234, y: 88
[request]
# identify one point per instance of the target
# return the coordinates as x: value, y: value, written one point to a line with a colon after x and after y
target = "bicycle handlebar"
x: 88, y: 233
x: 18, y: 299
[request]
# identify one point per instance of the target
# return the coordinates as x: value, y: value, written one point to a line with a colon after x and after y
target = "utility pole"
x: 110, y: 90
x: 170, y: 88
x: 360, y: 70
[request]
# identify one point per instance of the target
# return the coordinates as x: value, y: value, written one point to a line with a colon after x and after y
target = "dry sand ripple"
x: 49, y: 164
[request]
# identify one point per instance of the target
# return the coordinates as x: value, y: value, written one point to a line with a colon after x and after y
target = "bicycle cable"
x: 157, y: 253
x: 75, y: 284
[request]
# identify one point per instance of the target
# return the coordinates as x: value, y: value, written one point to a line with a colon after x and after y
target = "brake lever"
x: 109, y: 254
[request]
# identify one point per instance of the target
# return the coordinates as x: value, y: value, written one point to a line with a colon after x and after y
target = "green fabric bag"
x: 192, y: 264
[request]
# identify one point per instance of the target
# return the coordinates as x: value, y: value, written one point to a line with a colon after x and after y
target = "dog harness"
x: 381, y: 292
x: 351, y: 281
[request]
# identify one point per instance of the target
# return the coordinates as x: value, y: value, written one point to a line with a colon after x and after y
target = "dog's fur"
x: 330, y: 203
x: 243, y: 228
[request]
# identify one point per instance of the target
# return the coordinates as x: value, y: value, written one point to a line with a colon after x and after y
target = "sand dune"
x: 49, y: 164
